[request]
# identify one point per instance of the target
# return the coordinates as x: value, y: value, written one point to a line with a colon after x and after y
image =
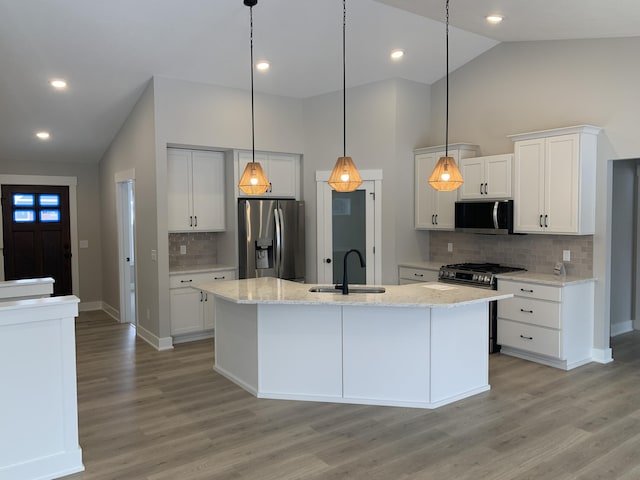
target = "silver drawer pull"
x: 186, y: 281
x: 219, y: 278
x: 526, y: 338
x: 418, y: 274
x: 525, y: 290
x: 526, y: 311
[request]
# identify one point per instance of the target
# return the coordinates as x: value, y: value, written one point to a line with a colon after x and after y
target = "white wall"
x: 527, y: 86
x: 132, y: 148
x: 385, y: 122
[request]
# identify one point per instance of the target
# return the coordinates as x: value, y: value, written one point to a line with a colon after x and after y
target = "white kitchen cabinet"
x: 282, y: 171
x: 434, y: 210
x: 408, y: 275
x: 192, y: 310
x: 547, y: 324
x: 196, y: 190
x: 555, y: 181
x: 486, y: 177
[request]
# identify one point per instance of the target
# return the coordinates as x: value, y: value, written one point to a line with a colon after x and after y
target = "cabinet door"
x: 180, y: 218
x: 424, y: 201
x: 209, y: 299
x: 186, y: 311
x: 284, y: 175
x: 208, y: 191
x: 497, y: 176
x: 472, y: 170
x: 529, y: 186
x: 561, y: 180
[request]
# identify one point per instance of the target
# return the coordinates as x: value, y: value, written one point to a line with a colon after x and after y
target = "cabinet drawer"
x: 418, y: 274
x: 522, y: 289
x: 529, y: 337
x: 186, y: 280
x: 530, y: 310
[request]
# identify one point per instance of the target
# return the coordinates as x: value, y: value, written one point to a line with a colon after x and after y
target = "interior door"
x: 36, y: 234
x: 346, y: 221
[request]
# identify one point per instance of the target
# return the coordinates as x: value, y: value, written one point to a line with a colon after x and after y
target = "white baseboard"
x: 160, y: 344
x: 112, y: 312
x: 90, y: 306
x: 602, y: 355
x: 621, y: 327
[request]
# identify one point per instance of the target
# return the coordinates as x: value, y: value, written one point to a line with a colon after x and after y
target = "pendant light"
x: 345, y: 176
x: 253, y: 180
x: 445, y: 175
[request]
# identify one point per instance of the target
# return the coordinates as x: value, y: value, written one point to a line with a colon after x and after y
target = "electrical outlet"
x: 449, y: 247
x: 566, y: 255
x: 154, y: 255
x: 183, y: 249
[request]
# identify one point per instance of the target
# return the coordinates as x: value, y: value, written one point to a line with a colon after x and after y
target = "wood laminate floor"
x: 166, y: 415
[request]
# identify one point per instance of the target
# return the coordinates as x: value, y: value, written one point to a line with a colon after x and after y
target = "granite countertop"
x: 199, y: 268
x: 544, y: 278
x: 277, y: 291
x: 426, y: 264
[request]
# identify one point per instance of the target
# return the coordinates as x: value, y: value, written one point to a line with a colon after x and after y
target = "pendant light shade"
x: 446, y: 176
x: 345, y: 176
x: 253, y: 180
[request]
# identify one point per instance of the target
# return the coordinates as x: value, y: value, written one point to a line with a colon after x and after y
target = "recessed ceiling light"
x: 494, y: 18
x: 397, y: 54
x: 58, y: 83
x: 43, y: 135
x: 262, y: 66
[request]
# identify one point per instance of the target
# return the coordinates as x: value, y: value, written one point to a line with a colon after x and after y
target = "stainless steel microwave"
x: 490, y: 217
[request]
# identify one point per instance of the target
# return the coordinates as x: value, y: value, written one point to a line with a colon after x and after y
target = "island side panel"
x: 236, y: 343
x: 300, y: 352
x: 386, y: 355
x: 459, y: 352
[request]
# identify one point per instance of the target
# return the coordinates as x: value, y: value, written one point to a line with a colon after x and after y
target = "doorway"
x: 125, y: 200
x: 349, y: 220
x: 37, y: 235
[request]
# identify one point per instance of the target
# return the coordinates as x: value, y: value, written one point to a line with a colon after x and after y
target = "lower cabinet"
x: 192, y: 310
x: 548, y: 324
x: 408, y: 275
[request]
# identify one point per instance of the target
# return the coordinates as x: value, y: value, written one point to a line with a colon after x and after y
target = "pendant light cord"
x: 446, y: 130
x: 253, y: 129
x: 344, y: 80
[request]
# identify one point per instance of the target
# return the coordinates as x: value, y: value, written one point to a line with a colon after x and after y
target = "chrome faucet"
x: 345, y: 281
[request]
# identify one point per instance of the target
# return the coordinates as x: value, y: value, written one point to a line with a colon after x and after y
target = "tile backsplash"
x: 202, y: 249
x: 536, y: 253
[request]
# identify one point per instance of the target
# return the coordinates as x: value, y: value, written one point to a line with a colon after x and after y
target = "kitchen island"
x: 422, y: 345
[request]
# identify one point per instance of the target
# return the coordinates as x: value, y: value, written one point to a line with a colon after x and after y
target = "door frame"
x: 324, y: 228
x: 70, y: 182
x: 124, y: 277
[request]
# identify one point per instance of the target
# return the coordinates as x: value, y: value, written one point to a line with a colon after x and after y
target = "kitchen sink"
x: 352, y: 289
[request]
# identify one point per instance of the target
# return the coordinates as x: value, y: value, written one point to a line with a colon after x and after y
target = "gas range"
x: 481, y: 275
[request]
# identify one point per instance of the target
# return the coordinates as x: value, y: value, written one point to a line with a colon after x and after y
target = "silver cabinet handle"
x: 436, y: 218
x: 481, y: 192
x: 526, y: 338
x: 546, y: 220
x: 526, y: 290
x: 433, y: 219
x: 206, y: 297
x: 418, y: 274
x: 201, y: 296
x: 541, y: 221
x: 486, y: 186
x: 186, y: 281
x: 219, y: 278
x: 526, y: 311
x: 191, y: 220
x: 196, y: 221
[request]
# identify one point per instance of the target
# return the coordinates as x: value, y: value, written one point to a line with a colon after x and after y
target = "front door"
x: 36, y: 234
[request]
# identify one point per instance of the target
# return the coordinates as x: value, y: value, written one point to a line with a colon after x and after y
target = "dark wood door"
x: 36, y: 234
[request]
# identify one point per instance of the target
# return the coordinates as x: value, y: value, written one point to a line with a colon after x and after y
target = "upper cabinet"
x: 434, y: 210
x: 486, y: 177
x: 555, y: 181
x: 282, y: 171
x: 196, y: 190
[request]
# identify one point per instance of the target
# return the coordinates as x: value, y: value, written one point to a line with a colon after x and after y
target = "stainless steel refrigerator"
x: 271, y: 238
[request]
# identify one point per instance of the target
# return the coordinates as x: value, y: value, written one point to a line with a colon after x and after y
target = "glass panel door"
x: 348, y: 210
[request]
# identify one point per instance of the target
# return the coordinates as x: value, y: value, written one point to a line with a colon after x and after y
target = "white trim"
x: 125, y: 176
x: 600, y: 355
x: 112, y: 312
x: 160, y: 344
x: 619, y: 328
x: 190, y: 337
x: 70, y: 182
x: 124, y: 281
x: 588, y: 129
x: 90, y: 306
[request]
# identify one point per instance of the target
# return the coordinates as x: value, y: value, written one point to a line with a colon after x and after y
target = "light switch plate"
x: 566, y: 255
x: 84, y: 243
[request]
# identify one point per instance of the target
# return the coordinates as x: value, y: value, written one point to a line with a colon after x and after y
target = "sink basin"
x: 352, y: 289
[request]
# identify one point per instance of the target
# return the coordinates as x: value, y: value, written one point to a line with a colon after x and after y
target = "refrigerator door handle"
x: 278, y: 260
x: 283, y: 246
